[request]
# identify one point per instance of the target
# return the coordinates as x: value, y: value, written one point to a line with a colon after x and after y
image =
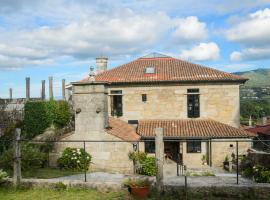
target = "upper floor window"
x: 116, y: 103
x: 193, y: 103
x: 149, y: 70
x: 144, y: 97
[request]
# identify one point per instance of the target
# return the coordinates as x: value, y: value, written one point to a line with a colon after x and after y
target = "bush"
x: 261, y: 174
x: 42, y: 114
x: 32, y: 158
x: 149, y: 166
x: 74, y: 159
x: 144, y: 165
x: 3, y: 176
x: 60, y: 186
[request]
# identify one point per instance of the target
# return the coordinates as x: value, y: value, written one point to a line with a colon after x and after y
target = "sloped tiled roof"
x: 260, y: 129
x: 191, y: 128
x: 122, y: 130
x: 167, y: 69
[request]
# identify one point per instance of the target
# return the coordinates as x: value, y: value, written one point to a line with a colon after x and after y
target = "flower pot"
x: 140, y: 192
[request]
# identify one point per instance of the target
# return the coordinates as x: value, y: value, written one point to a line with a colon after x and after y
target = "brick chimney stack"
x: 101, y: 64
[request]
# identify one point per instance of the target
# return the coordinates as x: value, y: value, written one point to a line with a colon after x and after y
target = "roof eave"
x: 242, y: 81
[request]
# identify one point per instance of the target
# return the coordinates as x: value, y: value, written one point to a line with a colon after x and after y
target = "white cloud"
x: 127, y: 33
x: 189, y: 29
x: 250, y: 54
x: 202, y: 52
x: 253, y: 30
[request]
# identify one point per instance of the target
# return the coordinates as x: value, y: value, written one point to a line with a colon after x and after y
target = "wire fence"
x: 184, y: 159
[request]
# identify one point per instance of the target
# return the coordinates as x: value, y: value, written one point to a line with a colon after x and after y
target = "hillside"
x: 257, y: 78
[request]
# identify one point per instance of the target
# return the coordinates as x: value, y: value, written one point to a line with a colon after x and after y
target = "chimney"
x: 250, y: 121
x: 101, y: 64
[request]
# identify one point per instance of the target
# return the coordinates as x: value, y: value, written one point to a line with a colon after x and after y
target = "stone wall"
x: 217, y: 101
x: 222, y: 149
x: 106, y: 156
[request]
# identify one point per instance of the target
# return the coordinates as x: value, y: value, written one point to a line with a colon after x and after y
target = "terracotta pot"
x: 140, y: 192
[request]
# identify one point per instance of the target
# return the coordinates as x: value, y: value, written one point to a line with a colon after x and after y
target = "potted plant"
x: 204, y: 160
x: 138, y: 187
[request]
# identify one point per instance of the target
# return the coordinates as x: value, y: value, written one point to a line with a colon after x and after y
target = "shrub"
x: 42, y: 114
x: 3, y: 176
x: 137, y: 156
x: 261, y: 174
x: 144, y: 165
x: 74, y: 159
x: 149, y: 166
x: 31, y: 158
x: 60, y: 186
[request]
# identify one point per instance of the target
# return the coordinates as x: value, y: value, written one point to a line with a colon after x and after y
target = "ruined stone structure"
x: 188, y: 101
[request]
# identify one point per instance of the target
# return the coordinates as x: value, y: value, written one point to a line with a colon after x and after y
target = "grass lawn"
x: 46, y: 173
x: 50, y: 194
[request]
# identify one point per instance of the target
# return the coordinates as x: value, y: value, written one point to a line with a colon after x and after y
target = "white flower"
x: 78, y: 161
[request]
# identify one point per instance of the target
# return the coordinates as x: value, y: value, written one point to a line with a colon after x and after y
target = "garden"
x: 39, y: 116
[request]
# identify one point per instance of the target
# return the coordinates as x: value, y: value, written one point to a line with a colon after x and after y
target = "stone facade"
x: 91, y: 119
x: 217, y: 101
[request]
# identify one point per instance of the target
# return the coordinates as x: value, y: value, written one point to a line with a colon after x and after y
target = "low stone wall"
x: 260, y: 158
x: 221, y: 192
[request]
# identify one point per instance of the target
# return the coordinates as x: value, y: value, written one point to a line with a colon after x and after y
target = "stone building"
x: 187, y: 100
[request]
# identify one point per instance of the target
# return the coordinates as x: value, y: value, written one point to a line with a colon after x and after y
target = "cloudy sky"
x: 41, y: 38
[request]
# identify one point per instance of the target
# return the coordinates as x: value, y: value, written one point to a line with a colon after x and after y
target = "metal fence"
x: 184, y: 159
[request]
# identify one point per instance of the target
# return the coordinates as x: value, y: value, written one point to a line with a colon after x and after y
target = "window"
x: 149, y: 147
x: 116, y: 103
x: 193, y: 103
x: 194, y: 147
x: 144, y: 97
x: 149, y: 70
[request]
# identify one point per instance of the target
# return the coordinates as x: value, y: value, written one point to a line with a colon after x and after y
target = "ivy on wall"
x: 42, y: 114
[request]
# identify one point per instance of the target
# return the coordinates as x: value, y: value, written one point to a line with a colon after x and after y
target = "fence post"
x: 85, y: 176
x: 17, y: 159
x: 237, y: 164
x: 159, y: 144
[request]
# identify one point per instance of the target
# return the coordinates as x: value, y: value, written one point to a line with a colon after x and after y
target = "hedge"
x: 42, y: 114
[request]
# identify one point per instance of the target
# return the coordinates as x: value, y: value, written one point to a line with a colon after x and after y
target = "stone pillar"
x: 51, y: 87
x: 10, y: 93
x: 64, y: 89
x: 27, y: 88
x: 17, y: 159
x: 159, y: 158
x: 43, y: 95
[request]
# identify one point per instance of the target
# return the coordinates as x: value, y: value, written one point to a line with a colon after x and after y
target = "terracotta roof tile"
x: 191, y: 128
x: 167, y: 69
x: 122, y: 130
x: 260, y: 129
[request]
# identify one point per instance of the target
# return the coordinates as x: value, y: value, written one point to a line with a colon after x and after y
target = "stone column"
x: 10, y: 93
x: 159, y: 158
x: 27, y: 88
x: 43, y: 95
x: 17, y: 159
x: 51, y: 87
x: 63, y: 89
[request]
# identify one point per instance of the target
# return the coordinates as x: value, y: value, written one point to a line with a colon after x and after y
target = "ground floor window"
x: 149, y: 147
x: 194, y: 147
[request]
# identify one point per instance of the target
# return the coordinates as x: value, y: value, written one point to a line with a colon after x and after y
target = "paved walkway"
x: 198, y: 181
